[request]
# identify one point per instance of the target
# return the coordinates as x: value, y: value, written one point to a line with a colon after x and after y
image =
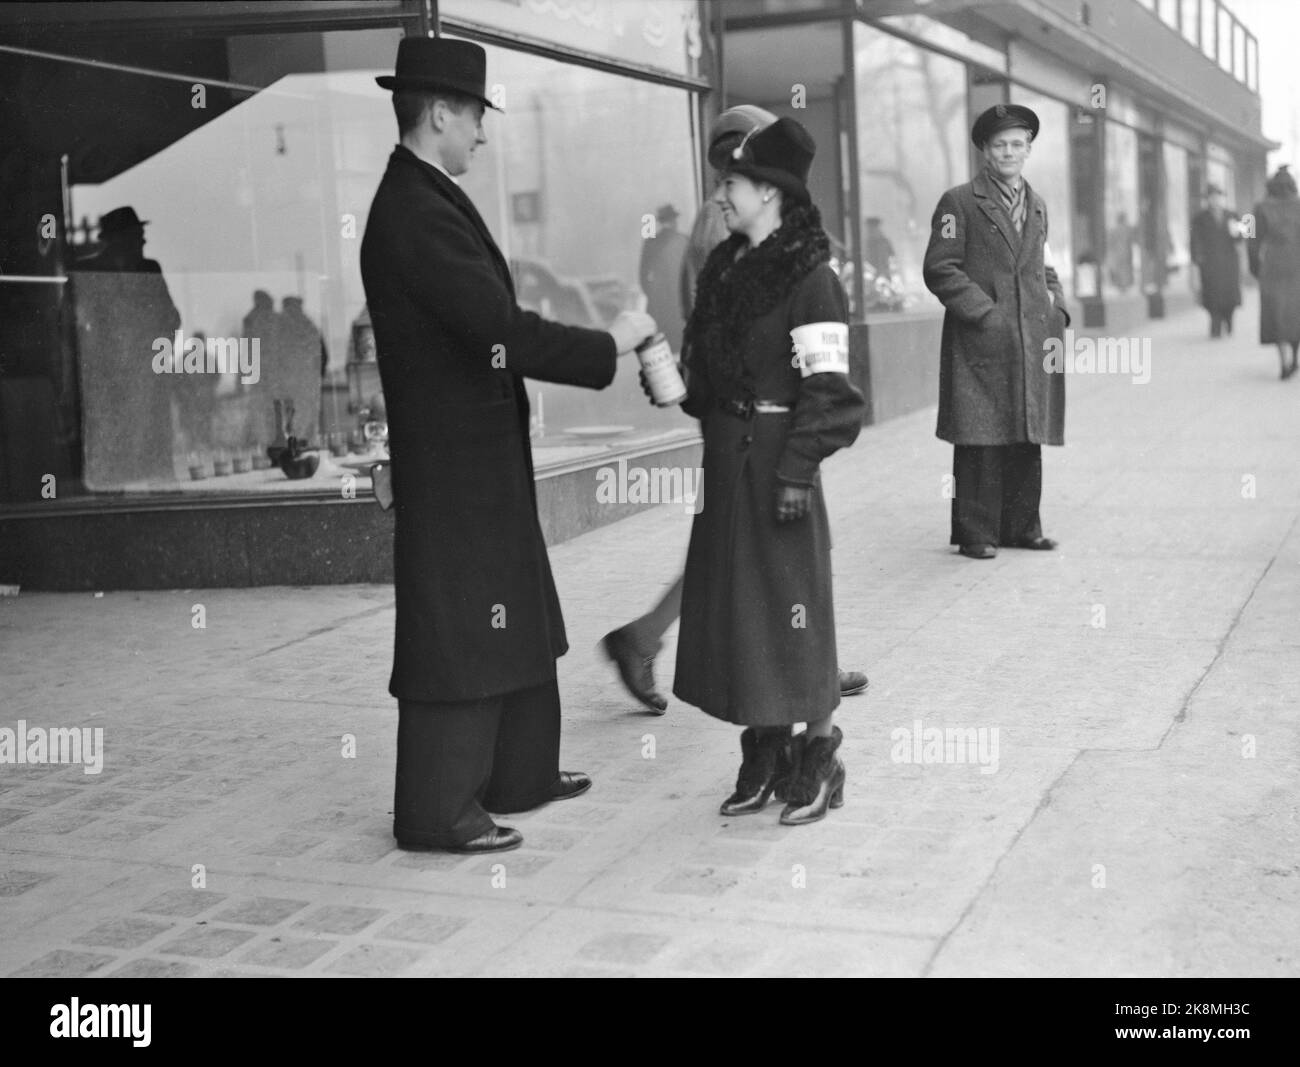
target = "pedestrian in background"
x: 1215, y: 233
x: 757, y: 642
x: 998, y: 403
x: 634, y: 646
x: 1274, y: 254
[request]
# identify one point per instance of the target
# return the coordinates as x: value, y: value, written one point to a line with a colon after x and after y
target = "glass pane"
x: 1123, y: 249
x: 913, y: 134
x: 1208, y: 44
x: 1225, y: 39
x: 1191, y: 20
x: 572, y: 190
x: 217, y: 201
x: 1048, y: 173
x: 1177, y: 221
x: 1239, y: 51
x: 658, y: 33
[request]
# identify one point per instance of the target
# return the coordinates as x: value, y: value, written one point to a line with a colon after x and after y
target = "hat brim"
x: 124, y: 228
x: 783, y: 180
x: 392, y: 82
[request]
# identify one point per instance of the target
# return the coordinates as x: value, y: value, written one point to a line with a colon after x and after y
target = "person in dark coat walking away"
x: 634, y: 646
x: 1274, y: 254
x: 766, y: 356
x: 478, y: 621
x: 660, y: 274
x: 1215, y: 233
x: 998, y: 401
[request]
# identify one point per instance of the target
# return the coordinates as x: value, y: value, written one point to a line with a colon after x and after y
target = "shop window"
x: 1048, y: 172
x: 913, y: 137
x: 1177, y: 221
x: 1123, y: 271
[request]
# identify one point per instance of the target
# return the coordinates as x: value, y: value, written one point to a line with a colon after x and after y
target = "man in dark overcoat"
x: 478, y: 621
x: 998, y: 401
x: 1215, y: 236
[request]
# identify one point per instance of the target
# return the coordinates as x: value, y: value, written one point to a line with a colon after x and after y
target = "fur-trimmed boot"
x: 765, y: 766
x: 816, y: 778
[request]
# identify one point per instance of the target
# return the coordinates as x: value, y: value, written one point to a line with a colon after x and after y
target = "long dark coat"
x: 1214, y: 251
x: 477, y: 612
x: 757, y: 639
x: 1275, y: 260
x: 993, y: 388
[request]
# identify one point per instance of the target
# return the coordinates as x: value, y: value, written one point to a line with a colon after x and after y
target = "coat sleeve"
x: 828, y: 413
x: 945, y: 256
x: 468, y: 297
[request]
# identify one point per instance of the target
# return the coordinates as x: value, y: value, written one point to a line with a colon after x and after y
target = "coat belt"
x: 744, y: 409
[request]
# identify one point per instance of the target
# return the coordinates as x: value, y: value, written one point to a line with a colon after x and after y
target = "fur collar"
x: 733, y: 292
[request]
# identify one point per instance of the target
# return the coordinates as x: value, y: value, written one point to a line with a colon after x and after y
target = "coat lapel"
x: 1035, y: 224
x: 987, y: 198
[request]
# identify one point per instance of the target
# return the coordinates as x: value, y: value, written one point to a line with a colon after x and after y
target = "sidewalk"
x: 1143, y: 817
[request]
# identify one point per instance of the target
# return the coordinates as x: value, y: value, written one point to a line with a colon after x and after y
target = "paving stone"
x: 356, y: 850
x: 261, y: 911
x: 376, y: 961
x: 699, y: 881
x: 287, y: 953
x: 629, y: 948
x: 206, y: 942
x: 430, y: 861
x: 339, y: 919
x: 151, y: 968
x: 123, y: 933
x: 9, y: 815
x: 14, y: 883
x: 183, y: 903
x: 64, y: 964
x: 122, y: 829
x: 515, y: 864
x: 289, y: 845
x: 426, y: 928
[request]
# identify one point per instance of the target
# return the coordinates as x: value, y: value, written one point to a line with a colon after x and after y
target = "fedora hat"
x: 440, y: 63
x: 731, y: 127
x: 1003, y: 117
x: 780, y: 154
x: 119, y: 220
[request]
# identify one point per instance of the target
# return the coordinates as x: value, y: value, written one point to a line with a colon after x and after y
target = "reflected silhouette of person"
x: 124, y: 314
x: 302, y: 339
x: 660, y: 275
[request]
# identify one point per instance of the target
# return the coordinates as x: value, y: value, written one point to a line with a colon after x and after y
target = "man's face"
x: 462, y: 133
x: 1216, y: 200
x: 1007, y: 150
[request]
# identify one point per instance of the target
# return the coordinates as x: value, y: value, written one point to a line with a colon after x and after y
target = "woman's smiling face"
x: 741, y: 201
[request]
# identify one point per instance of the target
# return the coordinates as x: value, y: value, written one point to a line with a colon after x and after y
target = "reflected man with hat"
x: 998, y: 402
x: 479, y: 626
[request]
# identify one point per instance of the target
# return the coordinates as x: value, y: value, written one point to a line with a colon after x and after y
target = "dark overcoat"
x: 477, y: 611
x: 757, y: 638
x: 1214, y: 251
x: 1275, y: 260
x: 993, y: 386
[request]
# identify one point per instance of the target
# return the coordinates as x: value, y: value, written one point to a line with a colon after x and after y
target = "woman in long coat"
x: 1214, y: 251
x: 757, y: 642
x: 1274, y: 254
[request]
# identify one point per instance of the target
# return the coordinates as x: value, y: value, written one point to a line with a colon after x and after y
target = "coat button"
x: 747, y: 440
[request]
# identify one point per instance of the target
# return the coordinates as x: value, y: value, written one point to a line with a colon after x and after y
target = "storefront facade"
x: 137, y: 413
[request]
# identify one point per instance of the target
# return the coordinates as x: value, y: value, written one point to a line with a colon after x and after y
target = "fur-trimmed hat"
x: 780, y: 154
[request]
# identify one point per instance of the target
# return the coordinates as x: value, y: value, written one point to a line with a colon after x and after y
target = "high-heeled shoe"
x: 764, y: 767
x: 816, y: 780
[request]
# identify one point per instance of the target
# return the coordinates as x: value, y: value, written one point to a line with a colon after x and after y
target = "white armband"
x: 821, y: 347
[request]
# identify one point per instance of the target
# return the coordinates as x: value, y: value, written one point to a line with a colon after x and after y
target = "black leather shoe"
x: 763, y: 770
x: 570, y: 784
x: 852, y: 682
x: 1038, y: 544
x: 636, y: 670
x: 979, y: 551
x: 497, y: 839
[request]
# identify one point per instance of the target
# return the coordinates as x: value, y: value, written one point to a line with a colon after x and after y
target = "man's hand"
x: 630, y: 328
x: 792, y: 502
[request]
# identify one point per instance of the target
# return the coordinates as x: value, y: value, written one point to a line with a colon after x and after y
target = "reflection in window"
x: 1177, y: 220
x: 1123, y: 249
x: 588, y: 184
x: 912, y: 142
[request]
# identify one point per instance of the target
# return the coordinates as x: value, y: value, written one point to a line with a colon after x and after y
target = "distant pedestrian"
x: 1274, y: 254
x: 660, y: 275
x: 1215, y: 233
x: 757, y: 641
x: 998, y: 403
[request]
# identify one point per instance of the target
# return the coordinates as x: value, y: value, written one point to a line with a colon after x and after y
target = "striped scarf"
x: 1012, y: 199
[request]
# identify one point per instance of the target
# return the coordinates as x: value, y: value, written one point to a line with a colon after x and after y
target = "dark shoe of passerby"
x: 765, y: 765
x: 495, y: 839
x: 852, y: 683
x: 635, y: 668
x: 816, y: 778
x: 1037, y: 544
x: 979, y: 551
x: 570, y: 784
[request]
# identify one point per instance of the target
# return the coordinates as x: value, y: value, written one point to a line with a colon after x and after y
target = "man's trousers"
x: 457, y: 761
x: 997, y: 494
